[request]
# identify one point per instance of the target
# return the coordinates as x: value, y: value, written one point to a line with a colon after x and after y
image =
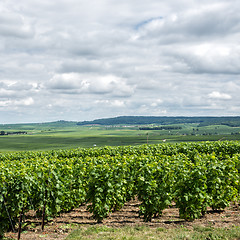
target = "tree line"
x: 138, y: 120
x: 11, y: 133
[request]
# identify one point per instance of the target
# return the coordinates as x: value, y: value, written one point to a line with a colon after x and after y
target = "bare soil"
x: 60, y: 227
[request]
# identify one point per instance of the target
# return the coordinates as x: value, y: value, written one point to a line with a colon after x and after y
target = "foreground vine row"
x: 193, y: 175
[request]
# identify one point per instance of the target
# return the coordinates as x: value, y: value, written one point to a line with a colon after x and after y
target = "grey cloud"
x: 82, y: 66
x: 189, y: 25
x: 3, y: 84
x: 18, y: 94
x: 207, y: 59
x: 6, y: 93
x: 64, y: 82
x: 14, y: 25
x: 22, y: 86
x: 85, y: 51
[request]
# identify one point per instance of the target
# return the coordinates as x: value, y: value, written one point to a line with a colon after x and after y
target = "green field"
x: 66, y: 135
x: 143, y: 232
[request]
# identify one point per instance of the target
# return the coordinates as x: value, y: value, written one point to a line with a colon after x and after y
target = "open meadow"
x: 66, y: 135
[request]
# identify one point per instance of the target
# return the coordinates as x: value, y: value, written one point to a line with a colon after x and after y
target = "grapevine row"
x: 193, y: 175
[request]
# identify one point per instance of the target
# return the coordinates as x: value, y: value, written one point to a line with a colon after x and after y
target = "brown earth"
x: 61, y: 226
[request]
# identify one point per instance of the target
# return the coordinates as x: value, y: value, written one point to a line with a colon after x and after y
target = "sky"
x: 79, y: 60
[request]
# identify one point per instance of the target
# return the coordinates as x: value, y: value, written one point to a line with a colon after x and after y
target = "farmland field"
x: 66, y: 135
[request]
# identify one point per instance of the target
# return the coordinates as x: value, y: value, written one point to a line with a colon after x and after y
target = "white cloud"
x: 218, y: 95
x: 110, y: 103
x: 26, y: 102
x: 66, y: 81
x: 20, y: 102
x: 90, y: 84
x: 157, y: 103
x: 4, y: 103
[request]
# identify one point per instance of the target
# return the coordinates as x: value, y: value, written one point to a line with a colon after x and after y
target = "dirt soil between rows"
x: 60, y: 227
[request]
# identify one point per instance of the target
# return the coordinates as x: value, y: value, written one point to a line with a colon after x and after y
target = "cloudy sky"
x: 81, y: 60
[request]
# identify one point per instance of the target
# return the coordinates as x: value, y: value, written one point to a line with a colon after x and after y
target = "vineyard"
x: 193, y: 176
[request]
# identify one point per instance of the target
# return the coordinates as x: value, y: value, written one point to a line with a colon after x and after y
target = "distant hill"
x: 141, y: 120
x: 42, y: 125
x: 129, y: 120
